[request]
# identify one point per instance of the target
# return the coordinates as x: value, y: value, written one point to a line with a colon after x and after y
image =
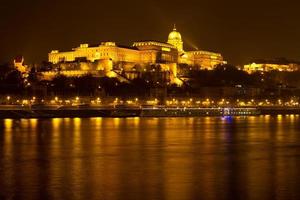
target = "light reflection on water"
x: 151, y: 158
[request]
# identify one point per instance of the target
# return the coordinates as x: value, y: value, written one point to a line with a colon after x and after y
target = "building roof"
x: 174, y: 35
x: 278, y: 61
x: 152, y: 42
x: 127, y: 47
x: 203, y: 53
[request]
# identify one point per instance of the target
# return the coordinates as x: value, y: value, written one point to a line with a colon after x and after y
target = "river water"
x: 151, y: 158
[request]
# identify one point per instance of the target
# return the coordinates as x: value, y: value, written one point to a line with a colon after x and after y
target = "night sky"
x: 240, y: 30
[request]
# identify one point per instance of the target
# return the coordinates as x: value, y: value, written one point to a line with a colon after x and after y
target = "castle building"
x: 282, y: 65
x: 108, y: 56
x: 145, y: 52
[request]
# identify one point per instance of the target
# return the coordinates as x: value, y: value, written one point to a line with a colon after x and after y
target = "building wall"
x: 157, y: 52
x: 107, y: 50
x: 265, y: 67
x: 204, y: 59
x: 146, y: 53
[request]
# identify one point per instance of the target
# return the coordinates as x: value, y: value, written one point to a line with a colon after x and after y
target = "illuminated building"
x: 200, y: 59
x: 175, y: 39
x: 272, y: 65
x: 203, y: 59
x: 146, y: 52
x: 112, y: 59
x: 19, y: 64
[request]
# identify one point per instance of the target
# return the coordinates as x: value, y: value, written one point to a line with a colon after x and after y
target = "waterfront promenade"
x: 85, y: 110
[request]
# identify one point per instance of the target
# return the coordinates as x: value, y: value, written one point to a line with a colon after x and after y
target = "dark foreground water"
x: 151, y: 158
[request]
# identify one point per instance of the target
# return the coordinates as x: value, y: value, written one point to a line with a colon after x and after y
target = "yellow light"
x: 154, y: 102
x: 242, y: 103
x: 129, y: 102
x: 25, y: 102
x: 165, y: 49
x: 8, y: 124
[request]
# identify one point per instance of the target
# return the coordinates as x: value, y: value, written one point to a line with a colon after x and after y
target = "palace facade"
x: 282, y: 65
x: 113, y: 59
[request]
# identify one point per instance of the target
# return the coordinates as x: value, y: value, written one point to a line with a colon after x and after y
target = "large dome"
x: 175, y: 39
x: 174, y: 35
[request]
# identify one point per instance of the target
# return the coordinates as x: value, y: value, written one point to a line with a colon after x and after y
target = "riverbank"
x: 53, y: 111
x: 120, y: 111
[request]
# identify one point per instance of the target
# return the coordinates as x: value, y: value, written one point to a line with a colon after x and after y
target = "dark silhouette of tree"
x: 109, y: 85
x: 222, y: 75
x: 32, y: 75
x: 12, y: 83
x: 45, y: 66
x: 4, y: 70
x: 86, y: 85
x: 14, y: 77
x: 59, y: 85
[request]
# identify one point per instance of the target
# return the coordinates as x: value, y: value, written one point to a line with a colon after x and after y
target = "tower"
x: 175, y: 39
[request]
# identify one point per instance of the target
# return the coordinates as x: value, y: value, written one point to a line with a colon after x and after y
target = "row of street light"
x: 136, y: 101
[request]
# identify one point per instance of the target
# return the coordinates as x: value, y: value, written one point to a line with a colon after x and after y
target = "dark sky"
x: 239, y: 29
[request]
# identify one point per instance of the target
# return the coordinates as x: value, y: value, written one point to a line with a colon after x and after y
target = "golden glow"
x: 175, y: 39
x: 111, y: 74
x: 265, y: 67
x: 33, y: 123
x: 8, y: 123
x: 152, y: 102
x: 98, y: 121
x: 77, y: 123
x: 116, y: 122
x: 165, y: 49
x: 107, y: 54
x: 56, y: 123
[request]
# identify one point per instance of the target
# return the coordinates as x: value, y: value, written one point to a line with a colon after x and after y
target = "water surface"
x: 151, y: 158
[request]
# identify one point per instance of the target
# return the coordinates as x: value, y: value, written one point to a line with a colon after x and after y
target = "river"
x: 151, y: 158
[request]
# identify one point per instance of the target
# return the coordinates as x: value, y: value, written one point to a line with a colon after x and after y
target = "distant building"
x: 109, y: 56
x: 272, y: 65
x: 19, y: 64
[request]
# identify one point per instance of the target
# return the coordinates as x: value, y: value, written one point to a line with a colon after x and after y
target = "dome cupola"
x: 175, y: 39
